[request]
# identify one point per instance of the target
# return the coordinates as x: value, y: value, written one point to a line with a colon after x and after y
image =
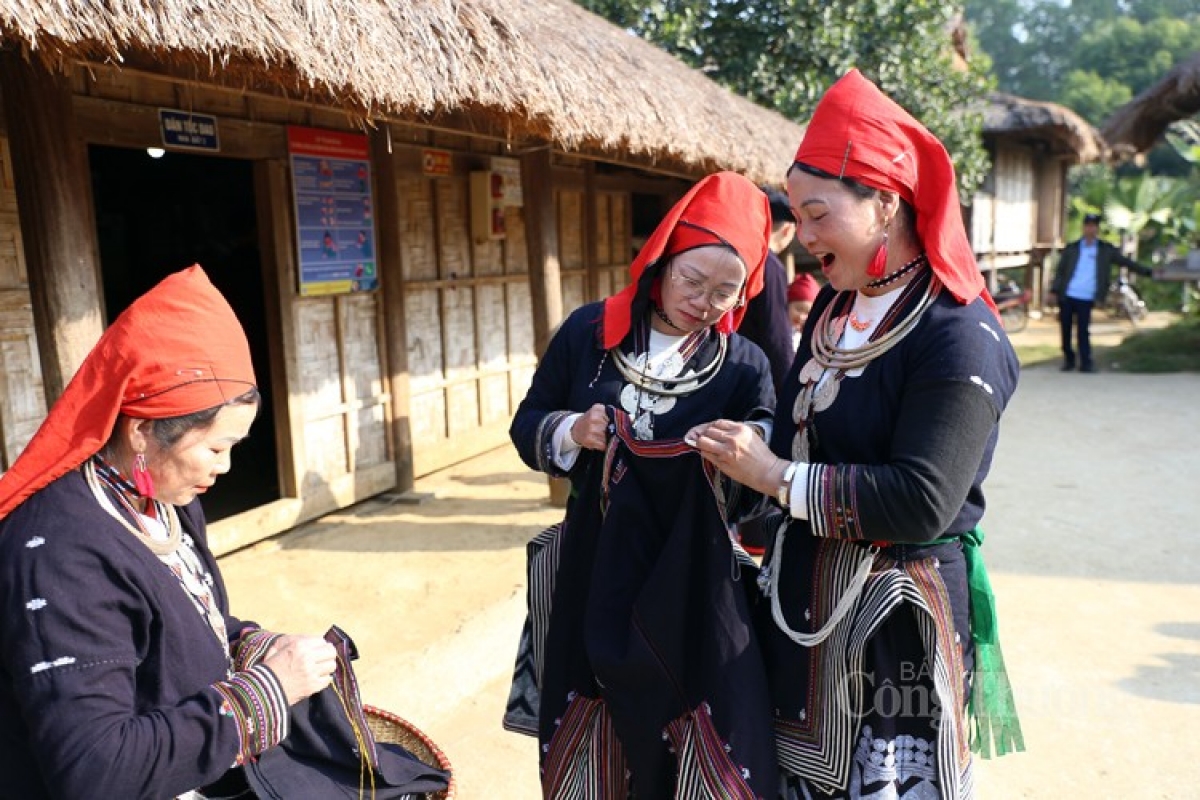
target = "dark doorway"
x: 155, y: 216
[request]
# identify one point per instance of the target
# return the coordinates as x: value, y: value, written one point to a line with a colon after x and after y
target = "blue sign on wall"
x: 189, y: 131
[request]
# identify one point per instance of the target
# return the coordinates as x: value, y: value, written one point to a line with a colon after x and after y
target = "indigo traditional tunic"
x: 898, y: 463
x: 106, y: 663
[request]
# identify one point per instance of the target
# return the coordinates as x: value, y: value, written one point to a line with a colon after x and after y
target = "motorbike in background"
x: 1123, y: 300
x: 1012, y: 301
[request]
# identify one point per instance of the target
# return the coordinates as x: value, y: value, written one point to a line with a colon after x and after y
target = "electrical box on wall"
x: 487, y: 206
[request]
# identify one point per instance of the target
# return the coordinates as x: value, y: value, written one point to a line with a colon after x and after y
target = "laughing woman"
x: 652, y: 684
x: 880, y: 623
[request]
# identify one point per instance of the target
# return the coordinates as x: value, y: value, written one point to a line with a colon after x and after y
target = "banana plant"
x: 1141, y: 206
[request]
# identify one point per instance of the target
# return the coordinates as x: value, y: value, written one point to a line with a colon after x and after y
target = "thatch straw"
x: 1062, y: 129
x: 548, y: 69
x: 1137, y: 126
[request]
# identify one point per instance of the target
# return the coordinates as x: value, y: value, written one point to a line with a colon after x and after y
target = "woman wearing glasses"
x: 639, y: 634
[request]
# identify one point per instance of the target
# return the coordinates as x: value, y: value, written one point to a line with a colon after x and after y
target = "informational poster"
x: 335, y: 220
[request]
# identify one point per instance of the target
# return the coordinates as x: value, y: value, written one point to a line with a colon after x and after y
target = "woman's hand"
x: 737, y: 450
x: 303, y: 664
x: 591, y: 428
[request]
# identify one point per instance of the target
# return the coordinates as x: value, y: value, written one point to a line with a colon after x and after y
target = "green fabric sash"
x: 992, y: 710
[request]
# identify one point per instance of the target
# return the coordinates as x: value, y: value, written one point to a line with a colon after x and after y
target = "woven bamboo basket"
x: 387, y: 727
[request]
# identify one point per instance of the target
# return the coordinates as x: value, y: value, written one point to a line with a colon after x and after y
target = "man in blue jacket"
x: 1081, y: 281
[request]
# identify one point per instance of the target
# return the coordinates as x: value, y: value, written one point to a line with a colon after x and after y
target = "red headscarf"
x: 858, y: 132
x: 804, y: 287
x: 723, y: 208
x: 176, y: 350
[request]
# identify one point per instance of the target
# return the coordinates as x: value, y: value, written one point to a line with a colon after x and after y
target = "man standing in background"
x: 1081, y: 281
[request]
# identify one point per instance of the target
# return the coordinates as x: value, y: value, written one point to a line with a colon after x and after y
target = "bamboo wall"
x: 22, y: 396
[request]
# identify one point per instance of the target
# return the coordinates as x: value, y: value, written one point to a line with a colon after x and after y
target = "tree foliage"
x: 783, y: 54
x: 1090, y: 55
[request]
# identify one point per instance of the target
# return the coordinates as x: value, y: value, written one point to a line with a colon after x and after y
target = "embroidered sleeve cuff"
x: 545, y: 442
x: 829, y: 497
x: 566, y: 449
x: 250, y: 648
x: 255, y: 702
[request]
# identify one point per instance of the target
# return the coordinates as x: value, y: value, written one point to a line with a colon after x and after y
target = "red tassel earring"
x: 141, y: 476
x: 879, y: 263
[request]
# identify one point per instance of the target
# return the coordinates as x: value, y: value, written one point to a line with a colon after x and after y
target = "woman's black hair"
x: 168, y: 431
x: 864, y: 192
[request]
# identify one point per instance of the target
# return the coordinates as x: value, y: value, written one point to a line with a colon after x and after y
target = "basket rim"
x: 443, y: 761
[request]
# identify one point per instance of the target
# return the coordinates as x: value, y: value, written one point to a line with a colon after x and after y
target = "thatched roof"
x: 1137, y: 125
x: 545, y: 70
x: 1062, y: 129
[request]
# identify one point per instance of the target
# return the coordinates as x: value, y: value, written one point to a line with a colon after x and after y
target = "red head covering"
x: 858, y: 132
x: 723, y: 208
x: 804, y: 287
x: 177, y: 350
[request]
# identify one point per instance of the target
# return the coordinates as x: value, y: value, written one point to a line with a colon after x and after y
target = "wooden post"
x: 541, y: 236
x: 54, y: 203
x: 391, y: 281
x: 545, y: 276
x: 276, y: 242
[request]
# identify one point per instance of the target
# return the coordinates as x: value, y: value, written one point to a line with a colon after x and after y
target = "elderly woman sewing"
x: 122, y: 674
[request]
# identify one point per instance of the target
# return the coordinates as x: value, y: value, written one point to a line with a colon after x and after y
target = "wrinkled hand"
x: 739, y: 452
x: 591, y: 428
x: 303, y: 664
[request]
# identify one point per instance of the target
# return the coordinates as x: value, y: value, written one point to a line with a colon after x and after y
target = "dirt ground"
x: 1092, y: 501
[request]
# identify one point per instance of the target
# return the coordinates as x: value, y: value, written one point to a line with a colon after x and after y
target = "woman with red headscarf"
x: 645, y: 679
x: 801, y: 293
x: 881, y: 638
x: 121, y: 673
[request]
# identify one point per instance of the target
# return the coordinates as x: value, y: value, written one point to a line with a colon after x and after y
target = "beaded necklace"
x: 887, y: 280
x: 821, y: 376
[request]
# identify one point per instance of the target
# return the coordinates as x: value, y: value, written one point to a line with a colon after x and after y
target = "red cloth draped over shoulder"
x: 722, y: 208
x: 176, y: 350
x: 859, y: 132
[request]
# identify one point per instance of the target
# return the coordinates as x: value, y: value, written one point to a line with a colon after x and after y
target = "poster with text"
x: 335, y: 224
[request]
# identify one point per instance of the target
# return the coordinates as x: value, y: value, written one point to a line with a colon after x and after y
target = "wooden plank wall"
x: 467, y: 311
x: 467, y: 306
x: 611, y: 247
x: 1015, y: 217
x: 614, y: 244
x: 22, y: 395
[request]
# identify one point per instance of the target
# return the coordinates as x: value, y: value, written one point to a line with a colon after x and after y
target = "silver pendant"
x: 811, y: 371
x: 643, y: 427
x: 629, y: 399
x: 658, y: 403
x: 800, y: 445
x: 803, y: 405
x: 826, y: 393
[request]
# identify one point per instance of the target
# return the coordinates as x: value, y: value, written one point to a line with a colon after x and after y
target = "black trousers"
x: 1074, y: 312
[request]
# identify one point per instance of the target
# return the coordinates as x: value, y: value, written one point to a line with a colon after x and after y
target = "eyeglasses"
x: 720, y: 299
